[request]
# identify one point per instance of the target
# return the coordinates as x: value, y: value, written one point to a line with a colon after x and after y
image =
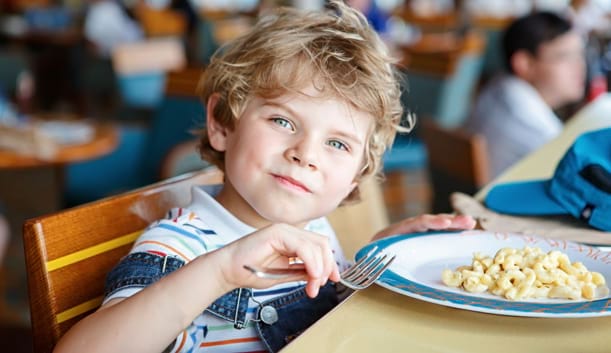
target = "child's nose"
x: 304, y: 153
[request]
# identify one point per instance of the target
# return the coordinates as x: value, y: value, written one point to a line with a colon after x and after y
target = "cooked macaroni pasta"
x: 527, y: 273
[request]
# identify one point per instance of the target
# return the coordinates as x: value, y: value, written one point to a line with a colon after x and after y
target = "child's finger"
x: 323, y: 265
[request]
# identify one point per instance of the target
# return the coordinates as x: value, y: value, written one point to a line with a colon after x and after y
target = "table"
x: 104, y: 142
x: 34, y: 186
x: 378, y: 320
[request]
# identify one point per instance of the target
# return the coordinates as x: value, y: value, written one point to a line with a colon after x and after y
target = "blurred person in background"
x: 546, y: 70
x: 377, y: 18
x: 590, y: 15
x: 108, y: 23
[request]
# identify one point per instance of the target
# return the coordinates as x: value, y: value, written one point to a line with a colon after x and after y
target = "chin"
x: 297, y: 219
x: 576, y: 97
x: 293, y: 218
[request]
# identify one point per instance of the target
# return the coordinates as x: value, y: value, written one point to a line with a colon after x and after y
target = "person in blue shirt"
x: 378, y: 19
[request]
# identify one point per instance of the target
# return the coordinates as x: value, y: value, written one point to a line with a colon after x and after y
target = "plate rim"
x: 410, y: 288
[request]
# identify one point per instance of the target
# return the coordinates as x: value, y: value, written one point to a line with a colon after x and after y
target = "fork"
x: 360, y: 275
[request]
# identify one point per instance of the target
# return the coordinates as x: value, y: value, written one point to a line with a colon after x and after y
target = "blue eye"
x: 338, y: 144
x: 285, y: 123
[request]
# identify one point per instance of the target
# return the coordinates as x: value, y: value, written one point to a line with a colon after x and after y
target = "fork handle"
x: 276, y: 273
x: 295, y: 260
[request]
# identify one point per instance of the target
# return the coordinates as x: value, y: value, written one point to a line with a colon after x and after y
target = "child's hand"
x: 426, y: 222
x: 271, y: 247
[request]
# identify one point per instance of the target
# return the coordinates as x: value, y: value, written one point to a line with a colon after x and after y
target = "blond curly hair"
x: 289, y: 49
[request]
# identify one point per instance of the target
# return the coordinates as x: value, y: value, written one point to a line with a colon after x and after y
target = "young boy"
x: 299, y: 111
x: 545, y: 62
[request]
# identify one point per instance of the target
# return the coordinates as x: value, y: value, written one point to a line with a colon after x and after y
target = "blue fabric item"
x: 53, y: 18
x: 407, y: 153
x: 446, y: 99
x: 295, y: 310
x: 143, y: 90
x: 137, y: 159
x: 112, y: 174
x: 377, y: 18
x: 580, y: 186
x: 173, y: 122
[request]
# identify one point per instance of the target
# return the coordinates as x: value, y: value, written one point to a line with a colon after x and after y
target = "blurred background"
x: 99, y: 97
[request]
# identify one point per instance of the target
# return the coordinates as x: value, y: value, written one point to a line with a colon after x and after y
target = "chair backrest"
x: 184, y: 82
x: 69, y: 253
x: 442, y: 74
x: 458, y: 161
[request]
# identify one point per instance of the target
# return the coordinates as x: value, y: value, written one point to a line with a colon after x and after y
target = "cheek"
x: 569, y: 78
x: 342, y: 181
x: 552, y: 79
x: 240, y: 157
x: 570, y: 72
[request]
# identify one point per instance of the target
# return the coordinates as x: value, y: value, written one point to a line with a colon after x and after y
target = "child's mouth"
x: 292, y: 183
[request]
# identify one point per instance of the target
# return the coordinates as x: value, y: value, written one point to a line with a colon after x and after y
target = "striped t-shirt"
x: 203, y: 226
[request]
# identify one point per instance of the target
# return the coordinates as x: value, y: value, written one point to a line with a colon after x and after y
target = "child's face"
x: 559, y: 69
x: 292, y: 158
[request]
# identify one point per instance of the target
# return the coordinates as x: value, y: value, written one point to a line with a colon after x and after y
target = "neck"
x: 238, y: 207
x: 233, y: 202
x: 550, y: 100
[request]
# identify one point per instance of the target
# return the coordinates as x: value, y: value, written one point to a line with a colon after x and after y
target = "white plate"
x: 421, y: 257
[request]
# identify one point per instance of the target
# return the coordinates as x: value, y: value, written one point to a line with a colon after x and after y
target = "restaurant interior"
x: 94, y: 107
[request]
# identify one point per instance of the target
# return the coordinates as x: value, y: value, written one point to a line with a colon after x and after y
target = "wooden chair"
x: 442, y: 75
x: 69, y: 253
x: 161, y: 22
x: 458, y: 161
x: 183, y: 82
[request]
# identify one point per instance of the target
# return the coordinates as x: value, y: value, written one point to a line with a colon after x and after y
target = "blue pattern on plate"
x: 599, y: 307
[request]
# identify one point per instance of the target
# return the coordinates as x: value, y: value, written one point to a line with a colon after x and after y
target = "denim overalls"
x: 278, y: 320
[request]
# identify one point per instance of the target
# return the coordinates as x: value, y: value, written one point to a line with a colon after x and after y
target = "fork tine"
x: 365, y: 268
x: 363, y: 259
x: 374, y: 276
x: 366, y: 273
x: 359, y: 265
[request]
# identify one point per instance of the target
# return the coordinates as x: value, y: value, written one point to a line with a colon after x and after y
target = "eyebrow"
x: 352, y: 138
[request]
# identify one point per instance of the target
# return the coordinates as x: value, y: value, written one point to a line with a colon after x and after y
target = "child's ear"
x: 217, y: 133
x: 353, y: 187
x: 522, y: 63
